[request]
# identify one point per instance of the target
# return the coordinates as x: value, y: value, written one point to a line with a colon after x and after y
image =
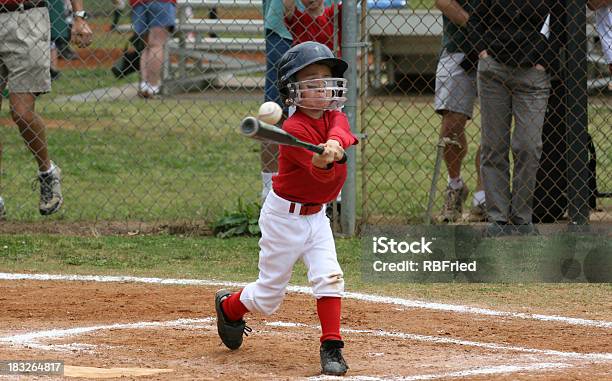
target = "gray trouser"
x: 507, y: 92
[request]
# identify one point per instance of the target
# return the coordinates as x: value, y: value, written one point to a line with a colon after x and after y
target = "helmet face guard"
x: 297, y: 58
x: 318, y: 94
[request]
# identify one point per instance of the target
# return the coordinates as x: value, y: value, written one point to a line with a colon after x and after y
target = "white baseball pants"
x: 285, y: 238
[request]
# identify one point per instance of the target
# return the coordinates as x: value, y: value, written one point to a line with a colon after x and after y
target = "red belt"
x: 306, y: 209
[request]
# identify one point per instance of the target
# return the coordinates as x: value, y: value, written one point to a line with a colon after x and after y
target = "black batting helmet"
x: 302, y: 55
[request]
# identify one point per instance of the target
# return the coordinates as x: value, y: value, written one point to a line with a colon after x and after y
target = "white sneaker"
x: 50, y: 191
x: 148, y: 91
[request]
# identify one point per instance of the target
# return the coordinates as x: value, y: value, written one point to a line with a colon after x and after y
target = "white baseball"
x: 270, y: 112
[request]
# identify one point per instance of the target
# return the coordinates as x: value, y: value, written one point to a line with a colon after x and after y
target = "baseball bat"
x: 256, y: 129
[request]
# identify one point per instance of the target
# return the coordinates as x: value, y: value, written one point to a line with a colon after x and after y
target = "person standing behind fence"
x: 316, y: 23
x: 603, y: 22
x: 60, y: 32
x: 454, y: 100
x: 152, y: 21
x: 511, y: 38
x: 24, y: 68
x: 278, y: 41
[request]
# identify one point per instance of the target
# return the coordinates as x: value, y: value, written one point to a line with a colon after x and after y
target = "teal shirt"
x: 274, y: 20
x: 59, y: 26
x: 453, y: 36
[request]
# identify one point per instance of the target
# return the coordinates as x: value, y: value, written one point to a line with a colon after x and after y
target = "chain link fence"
x: 414, y: 156
x: 129, y: 153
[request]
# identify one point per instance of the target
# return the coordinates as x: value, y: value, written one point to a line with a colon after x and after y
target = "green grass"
x: 76, y: 81
x: 401, y: 149
x: 183, y: 159
x: 236, y: 259
x: 139, y: 160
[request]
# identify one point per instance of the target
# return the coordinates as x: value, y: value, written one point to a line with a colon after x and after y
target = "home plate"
x: 91, y: 372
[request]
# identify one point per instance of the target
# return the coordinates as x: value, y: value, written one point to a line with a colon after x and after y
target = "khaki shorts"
x: 25, y: 51
x: 455, y: 89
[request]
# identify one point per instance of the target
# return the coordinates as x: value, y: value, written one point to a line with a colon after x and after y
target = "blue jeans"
x: 153, y: 14
x: 276, y: 46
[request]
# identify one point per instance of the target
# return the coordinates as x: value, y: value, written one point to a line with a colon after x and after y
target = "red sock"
x: 233, y: 308
x: 328, y: 309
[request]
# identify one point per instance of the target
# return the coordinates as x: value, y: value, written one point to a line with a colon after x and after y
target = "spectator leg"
x: 529, y: 101
x: 496, y: 120
x: 31, y: 127
x: 276, y: 46
x: 453, y: 127
x: 153, y: 56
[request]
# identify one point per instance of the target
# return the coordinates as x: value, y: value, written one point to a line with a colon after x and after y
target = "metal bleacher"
x: 197, y: 64
x: 191, y: 65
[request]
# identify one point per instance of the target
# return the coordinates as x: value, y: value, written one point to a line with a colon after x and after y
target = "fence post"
x: 350, y: 33
x: 576, y: 116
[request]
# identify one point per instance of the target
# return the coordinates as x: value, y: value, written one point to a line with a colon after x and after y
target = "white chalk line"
x: 501, y: 369
x: 447, y: 340
x: 306, y: 290
x: 32, y: 339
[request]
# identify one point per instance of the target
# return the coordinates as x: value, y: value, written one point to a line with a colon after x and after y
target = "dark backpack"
x: 550, y: 194
x: 129, y: 62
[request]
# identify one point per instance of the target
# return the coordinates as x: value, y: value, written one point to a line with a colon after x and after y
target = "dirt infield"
x: 105, y: 228
x: 137, y: 327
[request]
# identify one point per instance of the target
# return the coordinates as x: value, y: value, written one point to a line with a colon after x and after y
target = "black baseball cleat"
x: 332, y: 362
x: 230, y: 332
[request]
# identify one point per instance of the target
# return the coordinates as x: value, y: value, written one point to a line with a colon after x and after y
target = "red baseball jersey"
x: 321, y: 29
x: 134, y: 3
x: 298, y: 180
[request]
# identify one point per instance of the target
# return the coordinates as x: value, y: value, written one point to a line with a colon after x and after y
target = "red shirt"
x: 134, y: 3
x: 303, y: 28
x: 298, y: 180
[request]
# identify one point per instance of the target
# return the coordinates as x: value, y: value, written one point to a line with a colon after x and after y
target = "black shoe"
x: 332, y: 362
x: 230, y: 332
x: 128, y: 63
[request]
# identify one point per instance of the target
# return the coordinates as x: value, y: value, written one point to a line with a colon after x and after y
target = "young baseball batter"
x: 292, y: 221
